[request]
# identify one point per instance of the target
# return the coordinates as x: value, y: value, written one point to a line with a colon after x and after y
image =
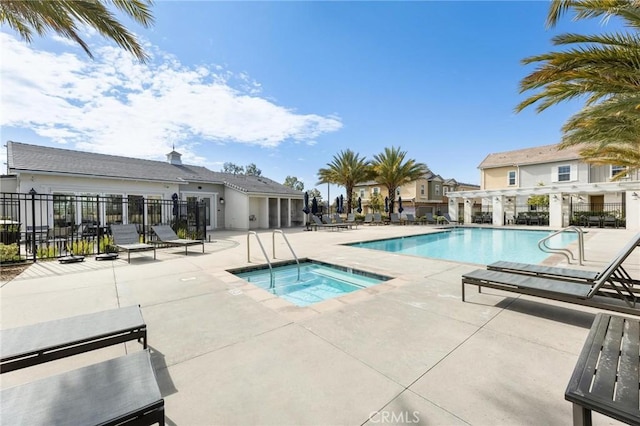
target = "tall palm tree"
x: 603, y: 69
x: 347, y: 169
x: 64, y: 16
x: 393, y: 171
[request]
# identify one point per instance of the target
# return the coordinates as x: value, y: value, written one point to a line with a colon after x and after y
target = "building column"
x: 498, y: 210
x: 555, y: 211
x: 453, y: 208
x: 468, y: 211
x: 633, y: 210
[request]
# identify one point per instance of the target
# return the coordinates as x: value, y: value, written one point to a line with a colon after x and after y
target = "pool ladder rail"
x: 264, y: 252
x: 542, y: 244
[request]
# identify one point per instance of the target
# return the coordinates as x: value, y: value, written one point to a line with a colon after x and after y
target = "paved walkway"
x: 404, y: 352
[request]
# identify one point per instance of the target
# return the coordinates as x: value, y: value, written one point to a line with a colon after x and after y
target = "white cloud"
x: 115, y: 105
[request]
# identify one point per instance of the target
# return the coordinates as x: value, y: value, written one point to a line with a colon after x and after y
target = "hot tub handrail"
x: 271, y: 281
x: 273, y: 242
x: 542, y: 244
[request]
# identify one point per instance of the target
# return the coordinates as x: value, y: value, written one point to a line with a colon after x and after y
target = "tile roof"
x: 33, y: 158
x: 535, y: 155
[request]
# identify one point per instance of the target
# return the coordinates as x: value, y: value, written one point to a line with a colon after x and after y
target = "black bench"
x: 34, y: 344
x: 606, y: 378
x: 119, y: 391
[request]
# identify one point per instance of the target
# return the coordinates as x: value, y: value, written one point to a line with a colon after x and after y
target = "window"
x: 113, y: 208
x: 445, y: 189
x: 64, y: 213
x: 398, y: 192
x: 511, y: 179
x: 362, y: 193
x: 437, y: 190
x: 135, y: 208
x: 616, y: 170
x: 375, y: 191
x: 421, y: 189
x: 564, y: 173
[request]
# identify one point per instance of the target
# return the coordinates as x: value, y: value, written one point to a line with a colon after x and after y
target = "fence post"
x: 32, y: 192
x: 98, y: 226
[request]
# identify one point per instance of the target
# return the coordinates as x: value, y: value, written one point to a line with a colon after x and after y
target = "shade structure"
x: 175, y: 198
x: 341, y: 204
x: 359, y: 209
x: 338, y: 205
x: 386, y: 204
x: 314, y: 206
x: 305, y: 209
x: 400, y: 208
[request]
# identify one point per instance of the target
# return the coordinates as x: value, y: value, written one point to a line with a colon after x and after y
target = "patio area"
x: 407, y: 351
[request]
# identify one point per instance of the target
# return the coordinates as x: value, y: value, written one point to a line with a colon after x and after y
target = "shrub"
x: 9, y: 252
x: 46, y: 252
x: 80, y: 247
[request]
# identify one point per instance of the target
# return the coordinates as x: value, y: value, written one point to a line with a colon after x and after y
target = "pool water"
x: 318, y: 281
x: 475, y: 245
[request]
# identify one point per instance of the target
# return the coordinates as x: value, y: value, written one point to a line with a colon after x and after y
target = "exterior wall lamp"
x: 221, y: 200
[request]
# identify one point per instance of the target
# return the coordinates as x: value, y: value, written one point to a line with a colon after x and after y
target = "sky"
x: 287, y: 85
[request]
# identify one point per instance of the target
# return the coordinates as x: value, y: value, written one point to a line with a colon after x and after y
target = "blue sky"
x: 288, y: 85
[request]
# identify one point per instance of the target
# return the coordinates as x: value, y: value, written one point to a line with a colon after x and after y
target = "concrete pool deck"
x: 228, y: 353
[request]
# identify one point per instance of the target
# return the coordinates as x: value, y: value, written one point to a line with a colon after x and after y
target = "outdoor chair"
x: 487, y: 218
x: 448, y: 218
x: 337, y: 219
x: 377, y: 219
x: 167, y: 236
x: 121, y: 390
x: 411, y: 219
x: 429, y: 219
x: 34, y: 344
x: 522, y: 219
x: 126, y: 238
x: 610, y: 221
x: 368, y: 219
x: 595, y: 221
x: 317, y: 223
x: 394, y: 219
x: 534, y: 219
x: 613, y: 289
x: 580, y: 275
x: 351, y: 218
x: 477, y: 218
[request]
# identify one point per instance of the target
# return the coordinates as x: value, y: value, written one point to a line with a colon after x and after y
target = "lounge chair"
x: 121, y: 390
x: 337, y: 219
x: 580, y: 275
x: 412, y: 219
x: 351, y: 219
x: 166, y: 236
x: 34, y: 344
x: 448, y: 218
x: 613, y: 289
x: 377, y: 219
x: 610, y: 221
x: 126, y: 238
x: 429, y: 219
x: 319, y: 224
x: 522, y: 219
x: 394, y: 219
x: 368, y: 219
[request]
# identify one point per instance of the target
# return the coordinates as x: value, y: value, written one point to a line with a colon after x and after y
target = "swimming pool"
x: 318, y: 280
x: 474, y: 245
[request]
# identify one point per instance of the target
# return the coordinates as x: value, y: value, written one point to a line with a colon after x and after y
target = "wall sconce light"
x: 497, y: 198
x: 635, y: 195
x: 555, y: 197
x: 221, y: 200
x: 467, y: 201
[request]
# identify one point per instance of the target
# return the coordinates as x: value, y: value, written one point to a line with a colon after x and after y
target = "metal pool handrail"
x: 273, y: 242
x: 271, y: 281
x: 542, y: 244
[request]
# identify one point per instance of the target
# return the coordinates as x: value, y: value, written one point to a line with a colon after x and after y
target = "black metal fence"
x: 598, y: 214
x: 39, y: 226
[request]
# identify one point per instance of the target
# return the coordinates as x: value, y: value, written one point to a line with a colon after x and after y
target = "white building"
x: 237, y: 202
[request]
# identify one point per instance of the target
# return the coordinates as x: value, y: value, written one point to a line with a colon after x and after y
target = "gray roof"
x: 535, y: 155
x: 40, y: 159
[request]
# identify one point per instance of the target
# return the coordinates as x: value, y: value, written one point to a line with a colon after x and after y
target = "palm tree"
x: 393, y: 171
x: 347, y: 169
x: 603, y: 69
x: 64, y: 16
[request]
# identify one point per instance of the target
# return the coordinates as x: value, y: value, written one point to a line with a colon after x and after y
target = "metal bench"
x: 34, y: 344
x: 119, y: 391
x: 606, y: 378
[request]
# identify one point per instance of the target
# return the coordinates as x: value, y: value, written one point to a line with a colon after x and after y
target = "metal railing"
x: 271, y: 280
x: 273, y: 242
x: 542, y: 244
